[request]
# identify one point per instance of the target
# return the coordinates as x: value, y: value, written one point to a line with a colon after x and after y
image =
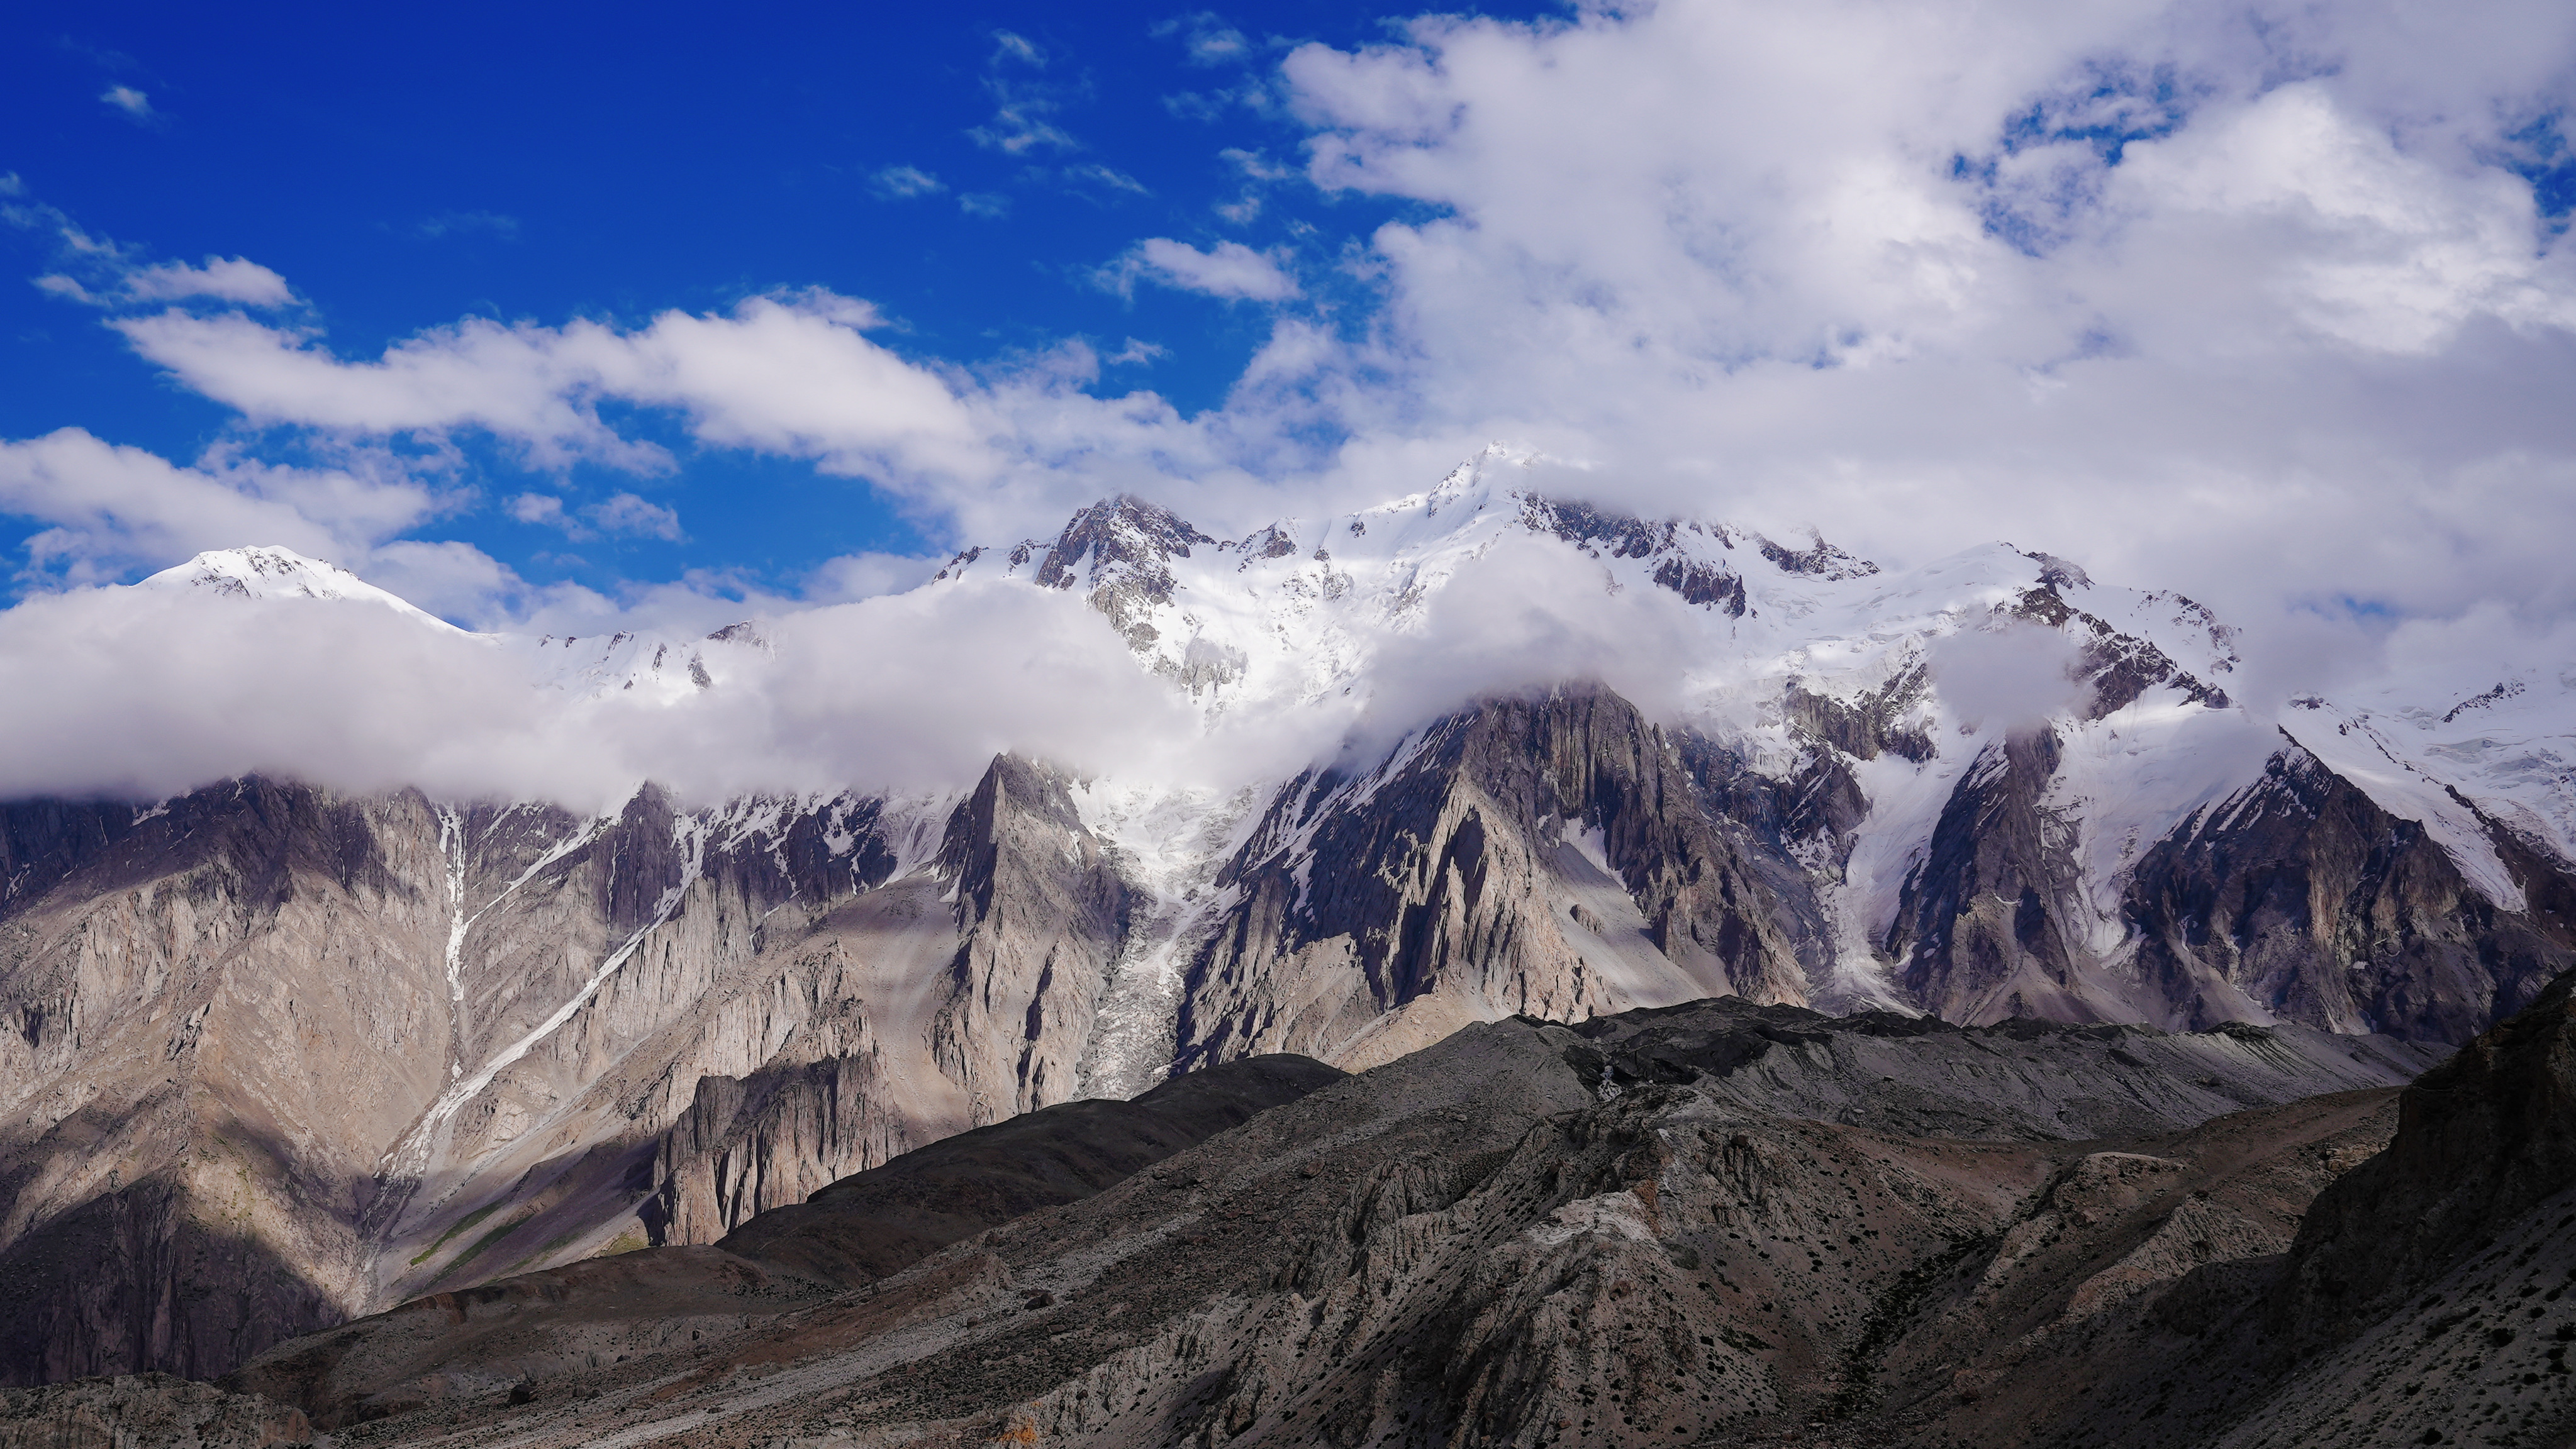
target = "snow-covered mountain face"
x: 279, y: 573
x: 1804, y: 669
x: 1473, y: 752
x: 664, y: 668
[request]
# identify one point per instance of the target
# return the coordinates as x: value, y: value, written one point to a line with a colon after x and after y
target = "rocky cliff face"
x: 1990, y: 923
x: 1042, y: 915
x: 1550, y: 856
x: 280, y: 1056
x: 2483, y: 1140
x: 2301, y: 897
x: 218, y: 1004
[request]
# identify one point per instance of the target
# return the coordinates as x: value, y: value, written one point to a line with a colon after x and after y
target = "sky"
x: 1003, y: 191
x: 545, y: 323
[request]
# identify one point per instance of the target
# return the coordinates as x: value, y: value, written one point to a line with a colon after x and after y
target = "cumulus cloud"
x: 793, y: 375
x: 112, y: 508
x: 2245, y: 304
x: 1232, y: 270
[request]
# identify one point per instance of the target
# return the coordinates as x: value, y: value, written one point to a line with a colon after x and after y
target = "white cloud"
x: 1207, y: 39
x: 1232, y: 270
x: 543, y: 509
x: 116, y: 508
x: 148, y: 693
x: 626, y: 513
x: 620, y: 513
x: 225, y: 279
x: 130, y: 101
x: 900, y: 182
x: 787, y: 375
x: 2012, y: 676
x: 2239, y: 304
x: 866, y: 575
x: 2237, y: 301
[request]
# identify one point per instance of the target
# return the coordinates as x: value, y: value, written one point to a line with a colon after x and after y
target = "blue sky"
x: 970, y: 169
x: 536, y: 316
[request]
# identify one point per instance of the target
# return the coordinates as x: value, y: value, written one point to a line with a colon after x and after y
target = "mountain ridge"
x: 574, y: 1031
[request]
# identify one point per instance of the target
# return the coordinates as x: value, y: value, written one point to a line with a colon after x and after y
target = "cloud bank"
x: 2268, y: 304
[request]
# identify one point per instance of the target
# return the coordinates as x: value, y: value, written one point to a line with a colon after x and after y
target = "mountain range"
x: 285, y: 1054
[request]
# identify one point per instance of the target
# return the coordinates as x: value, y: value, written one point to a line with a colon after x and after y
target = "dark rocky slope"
x: 555, y: 1325
x: 874, y: 1223
x: 1471, y: 1245
x: 146, y: 1411
x: 2301, y: 897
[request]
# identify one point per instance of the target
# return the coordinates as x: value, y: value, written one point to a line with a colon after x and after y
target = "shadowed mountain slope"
x: 1526, y: 1234
x: 563, y: 1320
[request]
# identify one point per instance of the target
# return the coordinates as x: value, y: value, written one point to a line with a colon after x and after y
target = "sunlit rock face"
x: 281, y: 1053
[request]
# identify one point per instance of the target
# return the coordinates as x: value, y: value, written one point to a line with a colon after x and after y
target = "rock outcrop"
x: 146, y: 1411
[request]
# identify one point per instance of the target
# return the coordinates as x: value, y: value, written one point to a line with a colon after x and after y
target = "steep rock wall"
x: 2319, y: 906
x: 1042, y: 913
x: 1378, y: 912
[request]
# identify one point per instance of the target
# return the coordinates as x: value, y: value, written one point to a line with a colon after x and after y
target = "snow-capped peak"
x: 270, y: 572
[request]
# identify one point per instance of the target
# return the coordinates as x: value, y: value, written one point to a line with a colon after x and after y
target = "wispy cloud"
x: 224, y: 279
x: 987, y: 204
x: 1232, y: 271
x: 1020, y: 125
x: 98, y: 271
x: 1207, y: 39
x: 133, y: 103
x: 623, y: 513
x: 1105, y: 176
x: 467, y: 223
x: 1009, y: 46
x: 904, y: 182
